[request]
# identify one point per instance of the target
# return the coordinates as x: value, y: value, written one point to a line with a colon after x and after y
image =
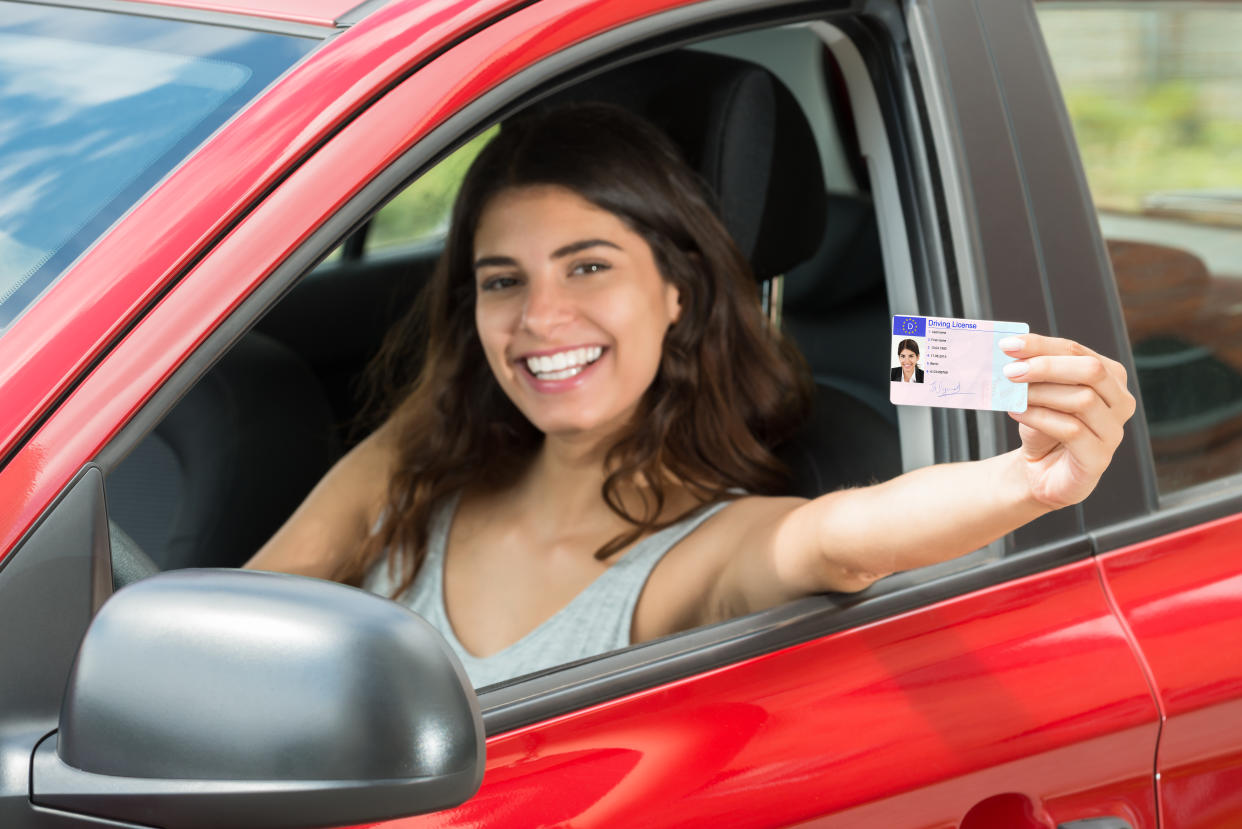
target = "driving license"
x: 956, y: 363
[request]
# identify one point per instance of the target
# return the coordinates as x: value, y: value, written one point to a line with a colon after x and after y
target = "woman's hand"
x: 1077, y: 405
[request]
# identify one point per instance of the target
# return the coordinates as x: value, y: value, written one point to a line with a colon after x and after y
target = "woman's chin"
x: 578, y: 426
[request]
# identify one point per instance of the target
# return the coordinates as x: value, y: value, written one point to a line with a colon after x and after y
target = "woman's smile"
x: 560, y: 371
x: 571, y: 308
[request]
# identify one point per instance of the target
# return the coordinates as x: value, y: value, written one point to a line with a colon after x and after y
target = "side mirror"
x: 210, y: 698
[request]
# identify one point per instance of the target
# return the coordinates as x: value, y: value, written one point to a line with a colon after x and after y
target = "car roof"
x: 315, y: 12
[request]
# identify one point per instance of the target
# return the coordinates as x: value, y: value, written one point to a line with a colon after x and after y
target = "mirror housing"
x: 208, y: 698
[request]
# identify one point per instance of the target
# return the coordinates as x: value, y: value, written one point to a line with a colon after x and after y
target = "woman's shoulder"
x: 750, y: 511
x: 681, y: 592
x: 731, y: 527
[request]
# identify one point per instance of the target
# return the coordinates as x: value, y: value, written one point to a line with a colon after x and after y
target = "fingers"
x: 1086, y: 449
x: 1055, y: 360
x: 1084, y: 403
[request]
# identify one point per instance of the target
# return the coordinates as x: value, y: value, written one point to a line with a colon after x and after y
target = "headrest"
x: 744, y: 132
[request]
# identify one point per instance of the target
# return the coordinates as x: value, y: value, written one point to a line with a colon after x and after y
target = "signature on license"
x: 942, y: 389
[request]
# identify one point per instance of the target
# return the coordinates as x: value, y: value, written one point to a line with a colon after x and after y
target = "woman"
x: 584, y: 460
x: 908, y: 356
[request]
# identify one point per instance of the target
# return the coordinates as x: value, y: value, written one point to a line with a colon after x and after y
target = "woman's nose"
x: 547, y: 307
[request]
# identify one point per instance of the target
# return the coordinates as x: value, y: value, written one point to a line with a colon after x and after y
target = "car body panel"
x: 1181, y: 595
x: 1029, y: 687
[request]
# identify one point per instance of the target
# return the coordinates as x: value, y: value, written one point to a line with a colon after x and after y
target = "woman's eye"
x: 498, y: 283
x: 589, y: 267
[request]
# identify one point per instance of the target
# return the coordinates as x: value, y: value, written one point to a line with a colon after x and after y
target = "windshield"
x: 95, y: 108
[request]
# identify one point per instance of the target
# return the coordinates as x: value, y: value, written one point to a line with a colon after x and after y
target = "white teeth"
x: 563, y: 364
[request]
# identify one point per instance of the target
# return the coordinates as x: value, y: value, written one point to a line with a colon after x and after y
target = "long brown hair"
x: 728, y: 389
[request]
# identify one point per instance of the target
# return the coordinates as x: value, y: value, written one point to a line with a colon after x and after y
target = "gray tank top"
x: 595, y: 621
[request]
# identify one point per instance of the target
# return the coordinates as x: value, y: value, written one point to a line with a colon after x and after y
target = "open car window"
x: 255, y: 434
x: 285, y: 402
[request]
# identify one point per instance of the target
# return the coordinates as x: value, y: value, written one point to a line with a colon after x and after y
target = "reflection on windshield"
x: 67, y: 138
x: 94, y: 109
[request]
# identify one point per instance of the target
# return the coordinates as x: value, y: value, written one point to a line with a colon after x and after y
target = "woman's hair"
x: 728, y: 389
x: 908, y: 344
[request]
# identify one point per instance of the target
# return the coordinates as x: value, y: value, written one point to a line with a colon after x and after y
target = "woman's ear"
x: 672, y: 302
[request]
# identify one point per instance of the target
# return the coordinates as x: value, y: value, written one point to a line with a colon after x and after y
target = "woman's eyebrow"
x: 566, y: 250
x: 495, y: 262
x: 574, y: 247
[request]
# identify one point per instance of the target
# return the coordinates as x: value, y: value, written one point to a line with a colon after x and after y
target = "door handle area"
x: 1096, y: 823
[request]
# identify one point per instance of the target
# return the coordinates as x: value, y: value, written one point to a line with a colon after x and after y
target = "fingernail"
x: 1010, y: 344
x: 1015, y: 369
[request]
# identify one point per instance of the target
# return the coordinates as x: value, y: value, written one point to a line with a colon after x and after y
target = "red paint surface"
x: 1025, y: 695
x: 1182, y: 597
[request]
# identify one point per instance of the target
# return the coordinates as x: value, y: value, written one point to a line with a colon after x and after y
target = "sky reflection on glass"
x: 94, y: 109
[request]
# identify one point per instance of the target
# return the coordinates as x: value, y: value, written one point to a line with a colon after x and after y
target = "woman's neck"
x: 564, y: 481
x: 563, y: 478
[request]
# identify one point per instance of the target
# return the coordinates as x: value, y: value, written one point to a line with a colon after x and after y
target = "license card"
x: 956, y: 364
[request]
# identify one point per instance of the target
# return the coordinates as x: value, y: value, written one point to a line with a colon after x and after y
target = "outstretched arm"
x: 1077, y: 406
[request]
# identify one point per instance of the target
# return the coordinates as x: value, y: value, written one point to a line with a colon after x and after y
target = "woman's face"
x: 908, y: 359
x: 571, y: 309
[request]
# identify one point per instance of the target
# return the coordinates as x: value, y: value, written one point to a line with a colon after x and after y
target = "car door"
x: 1002, y: 691
x: 1169, y: 214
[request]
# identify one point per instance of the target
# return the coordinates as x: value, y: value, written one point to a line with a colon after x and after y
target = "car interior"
x: 766, y: 119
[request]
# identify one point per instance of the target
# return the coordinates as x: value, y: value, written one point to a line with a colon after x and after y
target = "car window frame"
x: 597, y: 679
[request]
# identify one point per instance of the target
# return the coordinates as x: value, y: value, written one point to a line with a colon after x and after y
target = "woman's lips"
x: 562, y: 370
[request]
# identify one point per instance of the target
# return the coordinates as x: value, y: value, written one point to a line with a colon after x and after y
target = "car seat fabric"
x: 129, y: 562
x: 838, y: 297
x: 743, y: 131
x: 222, y: 471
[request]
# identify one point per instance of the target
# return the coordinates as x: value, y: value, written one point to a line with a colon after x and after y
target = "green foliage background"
x: 421, y: 211
x: 1164, y: 137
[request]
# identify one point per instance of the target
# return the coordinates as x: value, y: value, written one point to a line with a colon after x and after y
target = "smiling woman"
x: 585, y: 459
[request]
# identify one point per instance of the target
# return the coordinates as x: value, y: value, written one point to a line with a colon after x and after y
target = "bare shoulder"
x: 685, y: 589
x: 370, y: 464
x: 338, y: 513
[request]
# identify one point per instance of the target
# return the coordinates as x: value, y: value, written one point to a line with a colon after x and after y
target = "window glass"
x: 1154, y: 90
x: 94, y: 109
x: 421, y: 211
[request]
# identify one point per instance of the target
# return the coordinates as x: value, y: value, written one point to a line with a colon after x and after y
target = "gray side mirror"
x: 209, y: 698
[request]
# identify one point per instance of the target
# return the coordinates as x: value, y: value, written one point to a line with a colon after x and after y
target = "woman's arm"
x: 336, y: 516
x: 1077, y: 406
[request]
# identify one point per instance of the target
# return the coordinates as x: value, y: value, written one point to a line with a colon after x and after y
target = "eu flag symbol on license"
x: 910, y: 326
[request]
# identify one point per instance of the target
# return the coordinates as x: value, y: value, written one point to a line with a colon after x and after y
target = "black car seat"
x: 839, y: 294
x: 744, y: 132
x: 226, y: 466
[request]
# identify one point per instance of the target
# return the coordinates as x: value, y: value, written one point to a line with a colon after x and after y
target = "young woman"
x: 908, y: 356
x: 584, y: 459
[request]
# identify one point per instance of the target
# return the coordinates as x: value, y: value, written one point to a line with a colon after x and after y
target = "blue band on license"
x: 910, y: 326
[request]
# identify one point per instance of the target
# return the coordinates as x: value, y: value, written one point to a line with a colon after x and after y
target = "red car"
x: 205, y: 229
